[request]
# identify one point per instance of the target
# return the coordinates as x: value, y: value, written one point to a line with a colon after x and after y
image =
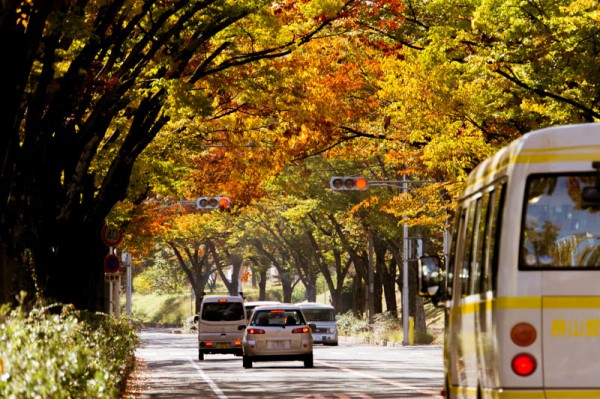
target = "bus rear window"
x: 559, y: 230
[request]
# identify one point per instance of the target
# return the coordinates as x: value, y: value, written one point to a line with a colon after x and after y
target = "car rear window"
x: 277, y: 317
x: 223, y: 311
x: 319, y: 314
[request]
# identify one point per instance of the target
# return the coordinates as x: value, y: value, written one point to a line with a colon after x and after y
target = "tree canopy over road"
x: 116, y: 110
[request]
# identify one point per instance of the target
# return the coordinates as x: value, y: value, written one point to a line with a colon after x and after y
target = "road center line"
x: 394, y: 383
x: 207, y: 379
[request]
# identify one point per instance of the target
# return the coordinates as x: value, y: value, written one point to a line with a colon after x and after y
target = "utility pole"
x: 371, y: 289
x: 126, y: 259
x: 405, y: 303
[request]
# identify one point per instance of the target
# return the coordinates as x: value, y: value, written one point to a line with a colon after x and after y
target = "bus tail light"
x: 523, y: 334
x: 523, y: 364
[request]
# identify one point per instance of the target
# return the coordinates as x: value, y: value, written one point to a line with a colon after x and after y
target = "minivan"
x: 221, y: 321
x: 323, y: 318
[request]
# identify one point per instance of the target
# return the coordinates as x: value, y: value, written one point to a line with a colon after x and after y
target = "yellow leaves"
x: 369, y: 202
x: 23, y: 11
x: 456, y: 152
x: 321, y: 8
x: 422, y: 206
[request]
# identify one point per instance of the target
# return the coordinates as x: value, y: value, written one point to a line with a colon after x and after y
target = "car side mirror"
x: 591, y: 195
x: 241, y: 327
x: 312, y: 326
x: 196, y: 318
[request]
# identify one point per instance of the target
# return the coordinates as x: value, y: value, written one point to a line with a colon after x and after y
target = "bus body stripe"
x: 554, y: 157
x: 526, y: 394
x: 530, y: 302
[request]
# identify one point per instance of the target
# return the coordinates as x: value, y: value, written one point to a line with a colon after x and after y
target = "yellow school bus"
x: 522, y: 285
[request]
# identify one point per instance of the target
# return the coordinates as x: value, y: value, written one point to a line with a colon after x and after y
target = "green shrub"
x: 350, y: 325
x: 58, y: 352
x: 385, y: 324
x: 423, y: 337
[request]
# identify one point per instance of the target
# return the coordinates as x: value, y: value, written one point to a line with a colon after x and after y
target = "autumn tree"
x: 89, y: 87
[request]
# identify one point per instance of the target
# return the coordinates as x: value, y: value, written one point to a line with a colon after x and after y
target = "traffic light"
x: 348, y: 183
x: 213, y: 202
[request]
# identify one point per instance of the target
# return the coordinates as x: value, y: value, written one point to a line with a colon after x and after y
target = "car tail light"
x: 301, y: 330
x: 523, y: 334
x: 524, y: 364
x: 255, y: 331
x: 205, y: 344
x: 237, y: 343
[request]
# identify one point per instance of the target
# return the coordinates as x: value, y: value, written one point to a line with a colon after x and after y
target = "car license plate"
x: 222, y: 345
x: 278, y: 344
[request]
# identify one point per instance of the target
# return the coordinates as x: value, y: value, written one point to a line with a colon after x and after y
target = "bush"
x: 58, y: 352
x: 423, y: 337
x: 386, y: 327
x: 350, y: 325
x: 384, y: 324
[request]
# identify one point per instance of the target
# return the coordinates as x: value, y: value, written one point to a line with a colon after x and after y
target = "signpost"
x: 112, y: 236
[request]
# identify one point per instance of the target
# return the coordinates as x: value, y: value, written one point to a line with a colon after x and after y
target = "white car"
x: 277, y: 332
x: 323, y: 317
x: 253, y: 304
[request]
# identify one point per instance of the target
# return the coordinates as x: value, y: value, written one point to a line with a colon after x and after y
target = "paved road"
x: 171, y: 370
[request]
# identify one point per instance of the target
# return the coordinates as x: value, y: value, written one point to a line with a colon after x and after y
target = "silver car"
x: 277, y: 332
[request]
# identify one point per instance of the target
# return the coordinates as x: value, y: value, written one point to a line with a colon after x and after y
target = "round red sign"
x: 111, y: 263
x: 111, y: 236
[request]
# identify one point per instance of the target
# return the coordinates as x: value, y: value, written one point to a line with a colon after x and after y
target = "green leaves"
x: 64, y: 355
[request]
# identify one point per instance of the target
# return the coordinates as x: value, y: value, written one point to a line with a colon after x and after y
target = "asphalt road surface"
x: 171, y: 369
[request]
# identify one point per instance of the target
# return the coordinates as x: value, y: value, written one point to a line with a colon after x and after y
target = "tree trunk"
x: 416, y: 308
x: 262, y: 285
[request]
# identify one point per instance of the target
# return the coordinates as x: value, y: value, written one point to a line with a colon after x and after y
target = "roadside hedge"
x: 59, y: 352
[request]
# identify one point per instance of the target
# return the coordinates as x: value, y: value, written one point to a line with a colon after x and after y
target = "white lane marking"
x: 207, y: 379
x: 394, y: 383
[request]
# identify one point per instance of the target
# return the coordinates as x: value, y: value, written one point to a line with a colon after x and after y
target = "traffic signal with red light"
x: 348, y: 183
x: 213, y: 202
x: 223, y: 202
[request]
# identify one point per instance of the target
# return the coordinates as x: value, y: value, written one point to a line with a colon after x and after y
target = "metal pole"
x: 371, y: 282
x: 405, y: 272
x: 129, y: 287
x: 117, y: 292
x: 110, y: 296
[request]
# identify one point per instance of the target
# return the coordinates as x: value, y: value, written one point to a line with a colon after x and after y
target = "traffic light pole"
x: 361, y: 183
x: 371, y: 288
x: 405, y: 303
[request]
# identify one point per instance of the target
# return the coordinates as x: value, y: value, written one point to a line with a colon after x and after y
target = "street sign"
x: 111, y: 236
x: 111, y: 263
x: 111, y: 276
